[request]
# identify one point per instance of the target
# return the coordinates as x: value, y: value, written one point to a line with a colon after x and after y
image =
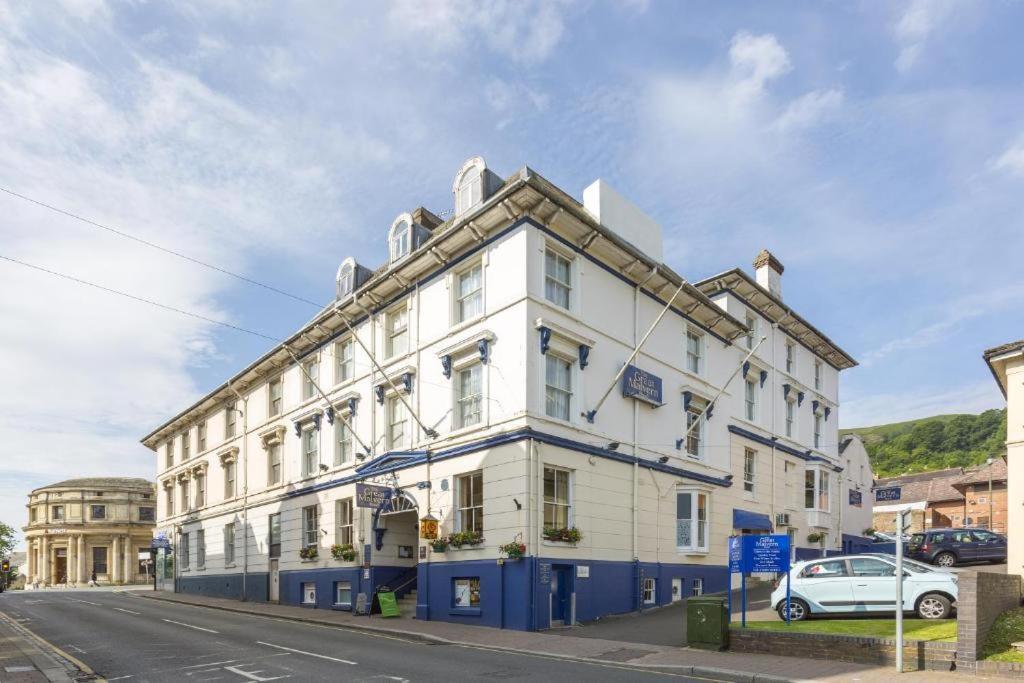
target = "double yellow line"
x: 45, y: 644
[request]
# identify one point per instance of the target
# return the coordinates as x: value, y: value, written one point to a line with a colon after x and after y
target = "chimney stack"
x: 768, y: 271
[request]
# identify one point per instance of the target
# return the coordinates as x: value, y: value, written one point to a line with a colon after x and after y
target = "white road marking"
x: 198, y: 628
x: 308, y: 654
x: 76, y: 648
x: 86, y: 602
x: 121, y: 609
x: 200, y: 666
x: 120, y: 678
x: 252, y: 675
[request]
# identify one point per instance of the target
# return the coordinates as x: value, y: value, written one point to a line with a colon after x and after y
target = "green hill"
x: 933, y: 443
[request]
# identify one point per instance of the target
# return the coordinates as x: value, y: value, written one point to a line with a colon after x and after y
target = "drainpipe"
x: 245, y: 489
x: 774, y: 404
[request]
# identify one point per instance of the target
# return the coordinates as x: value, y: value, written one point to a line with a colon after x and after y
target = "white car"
x: 859, y: 584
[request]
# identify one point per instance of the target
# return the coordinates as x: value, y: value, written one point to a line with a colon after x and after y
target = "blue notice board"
x: 891, y: 493
x: 759, y: 553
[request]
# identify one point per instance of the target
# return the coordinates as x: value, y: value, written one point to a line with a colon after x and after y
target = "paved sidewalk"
x: 714, y: 665
x: 23, y: 660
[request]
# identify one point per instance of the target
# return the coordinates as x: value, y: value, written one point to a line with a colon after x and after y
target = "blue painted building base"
x: 257, y: 586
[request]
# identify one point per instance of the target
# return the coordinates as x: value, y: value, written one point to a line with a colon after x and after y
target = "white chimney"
x: 768, y: 270
x: 624, y: 218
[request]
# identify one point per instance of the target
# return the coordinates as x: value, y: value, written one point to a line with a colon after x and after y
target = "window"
x: 57, y: 513
x: 694, y: 352
x: 469, y: 301
x: 274, y: 535
x: 466, y: 592
x: 816, y: 489
x: 310, y: 452
x: 169, y: 492
x: 817, y: 374
x: 229, y: 544
x: 275, y: 397
x: 558, y: 386
x: 863, y: 566
x: 200, y: 548
x: 809, y: 489
x: 982, y: 499
x: 310, y: 378
x: 468, y: 396
x: 698, y: 587
x: 186, y: 446
x: 229, y: 479
x: 396, y: 423
x: 790, y: 414
x: 557, y: 278
x: 310, y: 526
x: 147, y: 514
x: 650, y: 592
x: 343, y: 593
x: 397, y: 328
x: 32, y: 515
x: 342, y: 443
x: 343, y: 522
x: 170, y: 453
x: 185, y: 553
x: 557, y: 498
x: 692, y: 520
x: 749, y: 469
x: 694, y: 430
x: 346, y: 280
x: 200, y: 490
x: 201, y: 436
x: 790, y: 357
x: 751, y: 323
x: 345, y: 361
x: 274, y: 464
x: 97, y: 511
x: 750, y: 399
x: 825, y: 570
x: 469, y: 516
x: 400, y: 239
x: 817, y: 430
x: 469, y: 190
x: 230, y: 420
x: 99, y: 556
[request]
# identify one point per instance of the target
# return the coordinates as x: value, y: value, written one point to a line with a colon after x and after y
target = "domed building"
x: 95, y: 525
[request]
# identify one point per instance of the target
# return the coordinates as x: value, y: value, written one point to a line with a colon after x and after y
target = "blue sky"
x: 876, y: 148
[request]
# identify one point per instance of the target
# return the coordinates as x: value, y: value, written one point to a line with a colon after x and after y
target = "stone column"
x: 80, y: 557
x: 128, y: 574
x: 72, y: 569
x: 44, y: 558
x: 112, y: 562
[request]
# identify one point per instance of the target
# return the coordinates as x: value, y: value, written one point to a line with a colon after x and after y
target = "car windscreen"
x: 917, y: 539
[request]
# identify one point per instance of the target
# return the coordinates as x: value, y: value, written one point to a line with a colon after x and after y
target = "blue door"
x: 561, y: 592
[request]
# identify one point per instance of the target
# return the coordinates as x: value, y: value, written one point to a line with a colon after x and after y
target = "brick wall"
x: 917, y: 655
x: 983, y: 596
x: 977, y: 509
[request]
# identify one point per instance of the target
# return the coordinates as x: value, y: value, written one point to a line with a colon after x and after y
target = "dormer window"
x: 400, y: 237
x: 468, y: 187
x: 346, y: 278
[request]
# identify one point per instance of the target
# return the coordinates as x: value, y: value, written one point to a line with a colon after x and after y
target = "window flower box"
x: 461, y: 538
x: 344, y: 552
x: 309, y: 552
x: 439, y: 545
x: 514, y: 550
x: 570, y: 535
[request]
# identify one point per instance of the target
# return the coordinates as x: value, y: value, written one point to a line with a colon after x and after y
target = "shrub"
x: 514, y: 550
x: 461, y: 538
x: 343, y: 552
x: 815, y: 537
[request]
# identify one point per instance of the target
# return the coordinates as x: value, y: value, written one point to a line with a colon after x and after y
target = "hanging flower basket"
x: 815, y: 537
x: 439, y: 545
x: 566, y: 535
x: 514, y: 550
x: 343, y: 552
x: 461, y: 538
x: 310, y: 552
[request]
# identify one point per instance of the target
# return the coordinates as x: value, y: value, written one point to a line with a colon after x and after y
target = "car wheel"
x: 933, y: 606
x: 945, y: 559
x: 798, y: 610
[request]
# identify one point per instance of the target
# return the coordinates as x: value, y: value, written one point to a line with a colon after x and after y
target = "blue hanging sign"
x: 891, y: 493
x: 368, y: 496
x: 856, y: 498
x: 641, y: 385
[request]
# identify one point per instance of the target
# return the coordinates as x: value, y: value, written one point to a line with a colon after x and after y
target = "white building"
x: 856, y: 496
x: 498, y: 334
x: 1007, y: 365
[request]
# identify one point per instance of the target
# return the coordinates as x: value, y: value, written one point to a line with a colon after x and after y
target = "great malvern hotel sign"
x: 641, y: 385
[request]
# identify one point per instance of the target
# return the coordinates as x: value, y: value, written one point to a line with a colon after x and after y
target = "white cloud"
x: 756, y: 60
x: 1011, y: 160
x: 810, y: 109
x: 915, y: 26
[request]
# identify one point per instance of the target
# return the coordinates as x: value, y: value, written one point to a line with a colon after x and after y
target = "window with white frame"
x: 170, y: 453
x: 310, y: 452
x: 342, y: 442
x: 557, y: 498
x: 184, y: 553
x: 346, y: 280
x: 469, y: 190
x: 750, y: 399
x: 343, y: 516
x: 694, y: 351
x: 201, y: 436
x: 469, y: 396
x: 396, y: 325
x: 343, y: 593
x: 274, y: 464
x: 695, y: 429
x: 817, y: 375
x: 186, y: 503
x: 169, y: 503
x: 186, y: 446
x: 275, y: 397
x: 557, y: 278
x: 230, y: 420
x: 692, y: 520
x: 751, y: 322
x: 650, y: 592
x: 816, y: 489
x: 345, y: 361
x: 749, y: 470
x: 229, y: 544
x: 824, y: 481
x: 817, y: 430
x: 310, y: 526
x: 200, y: 548
x: 790, y: 357
x: 230, y: 469
x: 557, y: 386
x: 200, y: 478
x: 469, y: 492
x: 401, y: 235
x: 466, y: 592
x: 274, y: 535
x: 310, y: 378
x: 698, y: 586
x: 396, y: 424
x: 790, y: 418
x: 469, y: 293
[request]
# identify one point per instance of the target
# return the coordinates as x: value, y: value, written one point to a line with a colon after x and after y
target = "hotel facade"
x: 477, y: 398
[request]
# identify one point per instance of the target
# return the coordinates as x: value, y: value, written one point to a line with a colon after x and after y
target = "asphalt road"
x: 125, y: 637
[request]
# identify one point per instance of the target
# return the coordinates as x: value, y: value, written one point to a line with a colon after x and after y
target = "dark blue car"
x: 947, y: 547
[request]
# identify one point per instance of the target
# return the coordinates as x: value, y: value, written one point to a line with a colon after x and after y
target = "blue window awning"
x: 743, y: 519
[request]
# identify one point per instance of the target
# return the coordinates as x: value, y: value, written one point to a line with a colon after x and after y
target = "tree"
x: 6, y: 548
